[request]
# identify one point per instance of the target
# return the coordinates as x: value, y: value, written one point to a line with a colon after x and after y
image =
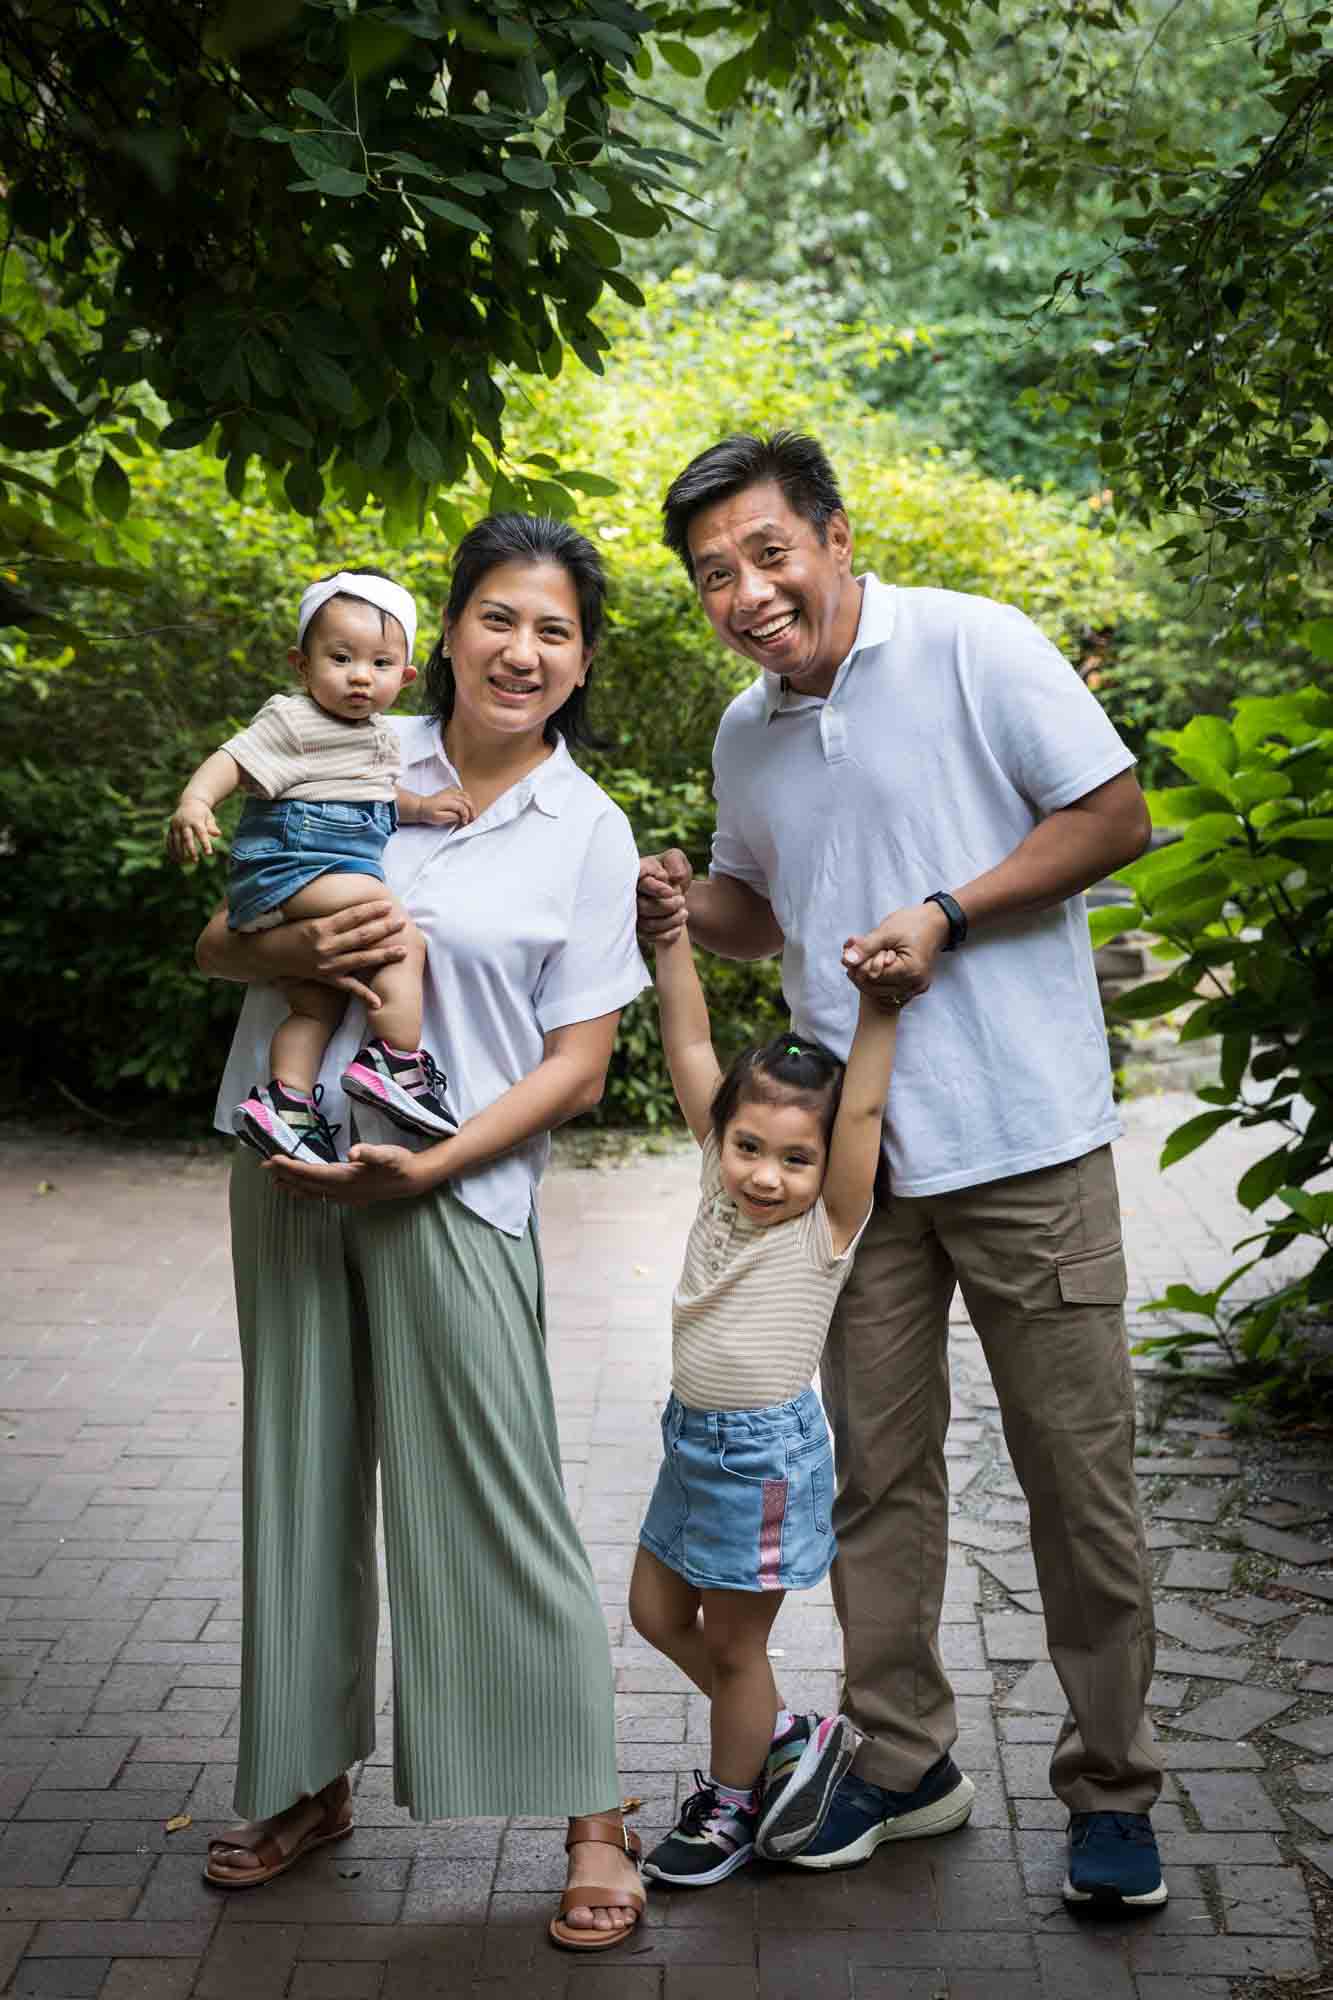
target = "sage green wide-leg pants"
x: 410, y: 1333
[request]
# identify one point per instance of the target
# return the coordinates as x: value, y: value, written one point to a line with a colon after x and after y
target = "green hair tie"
x: 793, y: 1049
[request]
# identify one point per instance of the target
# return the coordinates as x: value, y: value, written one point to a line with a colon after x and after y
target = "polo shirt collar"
x: 874, y: 628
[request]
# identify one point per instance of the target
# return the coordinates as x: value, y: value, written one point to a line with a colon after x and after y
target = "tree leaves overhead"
x: 1183, y: 334
x: 331, y: 239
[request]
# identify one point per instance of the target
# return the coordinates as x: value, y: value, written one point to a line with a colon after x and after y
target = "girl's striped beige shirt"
x: 751, y: 1311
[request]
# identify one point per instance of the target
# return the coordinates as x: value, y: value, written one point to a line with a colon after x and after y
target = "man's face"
x: 775, y: 593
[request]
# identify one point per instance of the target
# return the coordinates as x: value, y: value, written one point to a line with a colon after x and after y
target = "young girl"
x: 321, y: 768
x: 741, y: 1509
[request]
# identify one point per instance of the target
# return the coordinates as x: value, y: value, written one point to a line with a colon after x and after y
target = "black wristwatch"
x: 954, y: 917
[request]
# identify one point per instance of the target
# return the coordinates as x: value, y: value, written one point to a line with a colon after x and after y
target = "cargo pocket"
x: 1090, y: 1383
x: 1093, y: 1277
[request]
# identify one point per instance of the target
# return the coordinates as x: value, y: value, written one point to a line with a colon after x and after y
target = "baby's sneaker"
x: 713, y: 1837
x: 804, y: 1764
x: 409, y: 1087
x: 285, y: 1124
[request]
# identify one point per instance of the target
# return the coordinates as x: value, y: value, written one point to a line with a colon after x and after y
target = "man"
x: 930, y: 756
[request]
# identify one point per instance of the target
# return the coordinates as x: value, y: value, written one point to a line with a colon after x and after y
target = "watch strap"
x: 954, y: 917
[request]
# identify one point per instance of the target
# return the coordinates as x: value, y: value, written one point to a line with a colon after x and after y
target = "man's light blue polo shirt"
x: 952, y: 727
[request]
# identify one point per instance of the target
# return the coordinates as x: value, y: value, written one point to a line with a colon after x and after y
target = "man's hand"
x: 896, y: 961
x: 370, y: 1174
x: 663, y: 881
x: 192, y: 829
x: 450, y: 807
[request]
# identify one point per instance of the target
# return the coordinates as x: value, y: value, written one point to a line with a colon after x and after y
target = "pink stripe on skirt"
x: 770, y: 1534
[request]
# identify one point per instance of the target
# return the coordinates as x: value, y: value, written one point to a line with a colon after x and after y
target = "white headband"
x: 376, y: 590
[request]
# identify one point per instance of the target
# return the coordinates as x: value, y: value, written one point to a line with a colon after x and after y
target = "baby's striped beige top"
x: 294, y: 749
x: 752, y: 1309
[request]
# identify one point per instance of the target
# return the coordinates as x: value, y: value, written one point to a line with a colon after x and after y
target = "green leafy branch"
x: 1242, y: 900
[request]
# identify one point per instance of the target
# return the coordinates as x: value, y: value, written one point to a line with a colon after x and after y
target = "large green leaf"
x: 1151, y: 1001
x: 1319, y: 1285
x: 1210, y: 738
x: 1111, y: 921
x: 1261, y: 1181
x: 1192, y: 1134
x: 1177, y: 805
x: 1303, y: 829
x: 728, y: 80
x: 111, y: 489
x: 1314, y: 1209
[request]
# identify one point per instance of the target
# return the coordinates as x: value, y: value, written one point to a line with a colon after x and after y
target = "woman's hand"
x: 343, y: 950
x: 370, y: 1174
x: 362, y: 938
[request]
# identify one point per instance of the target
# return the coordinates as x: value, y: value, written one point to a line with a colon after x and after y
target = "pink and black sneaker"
x: 283, y: 1124
x: 407, y: 1087
x: 799, y: 1779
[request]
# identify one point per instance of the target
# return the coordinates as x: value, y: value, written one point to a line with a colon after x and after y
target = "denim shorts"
x: 744, y: 1498
x: 282, y: 845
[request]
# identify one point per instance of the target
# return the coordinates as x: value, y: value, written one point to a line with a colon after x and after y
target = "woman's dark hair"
x: 788, y: 1066
x: 350, y: 596
x: 524, y: 538
x: 797, y: 463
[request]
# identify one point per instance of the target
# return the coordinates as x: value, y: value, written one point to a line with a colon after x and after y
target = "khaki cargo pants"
x: 1041, y: 1266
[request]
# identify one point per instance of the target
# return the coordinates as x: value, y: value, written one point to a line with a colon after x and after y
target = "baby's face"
x: 354, y: 662
x: 773, y: 1159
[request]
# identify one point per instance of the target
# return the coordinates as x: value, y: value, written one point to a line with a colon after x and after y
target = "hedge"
x: 96, y: 928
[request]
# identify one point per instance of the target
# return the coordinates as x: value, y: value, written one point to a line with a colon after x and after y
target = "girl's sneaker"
x: 408, y: 1087
x: 800, y: 1777
x: 278, y: 1123
x: 711, y: 1840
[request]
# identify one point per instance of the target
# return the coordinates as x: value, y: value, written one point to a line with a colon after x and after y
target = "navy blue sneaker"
x: 1113, y: 1860
x: 863, y: 1816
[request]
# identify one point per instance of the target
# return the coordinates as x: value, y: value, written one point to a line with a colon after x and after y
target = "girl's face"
x: 773, y: 1158
x: 354, y: 661
x: 517, y: 649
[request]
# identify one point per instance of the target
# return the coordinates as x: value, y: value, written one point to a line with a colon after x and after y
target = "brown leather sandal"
x: 334, y: 1823
x: 588, y: 1895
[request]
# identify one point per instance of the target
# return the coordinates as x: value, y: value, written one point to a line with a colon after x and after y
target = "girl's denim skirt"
x: 282, y: 845
x: 744, y: 1499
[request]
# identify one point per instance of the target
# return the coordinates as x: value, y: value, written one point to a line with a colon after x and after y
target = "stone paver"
x: 120, y: 1652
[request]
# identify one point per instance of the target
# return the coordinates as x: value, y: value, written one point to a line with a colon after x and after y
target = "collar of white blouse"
x: 426, y: 768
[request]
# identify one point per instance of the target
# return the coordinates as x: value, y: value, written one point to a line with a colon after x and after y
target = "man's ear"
x: 839, y: 535
x: 409, y: 675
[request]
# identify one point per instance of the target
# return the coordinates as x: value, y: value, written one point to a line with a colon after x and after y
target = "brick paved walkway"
x: 118, y: 1591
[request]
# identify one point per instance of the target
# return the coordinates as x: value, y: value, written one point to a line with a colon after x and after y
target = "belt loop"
x: 715, y: 1431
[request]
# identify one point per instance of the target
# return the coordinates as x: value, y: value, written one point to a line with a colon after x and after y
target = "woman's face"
x: 517, y: 648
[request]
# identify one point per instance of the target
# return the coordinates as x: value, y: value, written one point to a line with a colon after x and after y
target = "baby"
x: 321, y: 770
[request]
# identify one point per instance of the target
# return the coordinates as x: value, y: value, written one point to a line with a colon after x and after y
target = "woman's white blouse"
x: 528, y: 917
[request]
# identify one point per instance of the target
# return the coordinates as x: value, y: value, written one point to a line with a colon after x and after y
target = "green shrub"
x: 1242, y: 902
x: 1178, y: 654
x: 100, y: 927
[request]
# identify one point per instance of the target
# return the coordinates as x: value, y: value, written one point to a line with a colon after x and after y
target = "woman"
x: 397, y: 1314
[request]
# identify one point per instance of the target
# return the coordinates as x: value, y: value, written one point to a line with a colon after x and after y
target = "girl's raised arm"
x: 685, y: 1034
x: 854, y: 1148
